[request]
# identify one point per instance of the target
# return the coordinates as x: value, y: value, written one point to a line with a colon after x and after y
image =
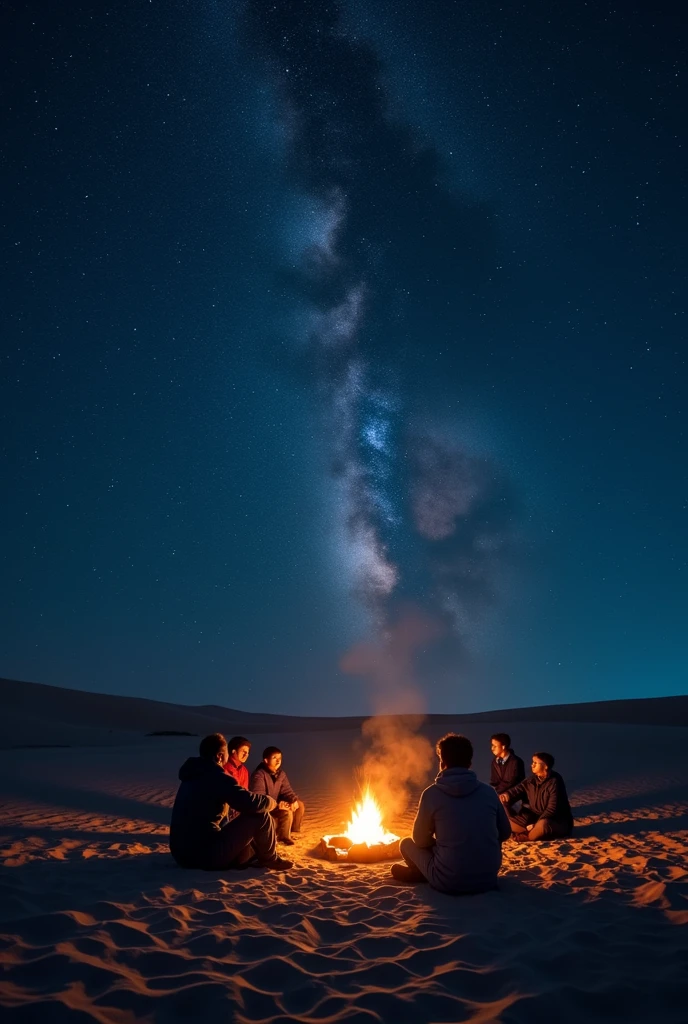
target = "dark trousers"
x: 543, y: 828
x: 414, y: 857
x: 287, y: 822
x: 231, y: 847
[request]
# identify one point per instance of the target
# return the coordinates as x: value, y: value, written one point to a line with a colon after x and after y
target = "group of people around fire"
x: 223, y: 818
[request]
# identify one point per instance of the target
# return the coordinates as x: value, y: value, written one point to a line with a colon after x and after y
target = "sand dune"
x: 98, y: 923
x: 39, y: 715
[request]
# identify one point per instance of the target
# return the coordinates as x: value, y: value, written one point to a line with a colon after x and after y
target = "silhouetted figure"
x: 507, y: 769
x: 270, y: 778
x: 459, y: 828
x: 548, y: 815
x: 199, y: 837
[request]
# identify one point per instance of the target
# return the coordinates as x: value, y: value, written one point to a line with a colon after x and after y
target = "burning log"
x: 365, y: 839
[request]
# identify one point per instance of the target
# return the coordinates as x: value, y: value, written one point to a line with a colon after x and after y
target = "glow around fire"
x: 366, y: 823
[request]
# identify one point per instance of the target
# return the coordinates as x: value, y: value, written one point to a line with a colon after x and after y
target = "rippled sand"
x: 97, y: 922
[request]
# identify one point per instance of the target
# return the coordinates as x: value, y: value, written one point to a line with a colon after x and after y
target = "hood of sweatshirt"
x: 197, y: 768
x: 457, y: 781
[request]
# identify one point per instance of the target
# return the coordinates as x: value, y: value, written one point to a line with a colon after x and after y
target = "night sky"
x: 344, y: 352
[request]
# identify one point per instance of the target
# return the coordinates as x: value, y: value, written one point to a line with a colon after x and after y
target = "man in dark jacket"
x: 199, y: 837
x: 270, y: 778
x: 459, y: 828
x: 507, y: 769
x: 548, y: 815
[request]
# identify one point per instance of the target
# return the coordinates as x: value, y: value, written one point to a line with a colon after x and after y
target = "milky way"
x: 428, y: 522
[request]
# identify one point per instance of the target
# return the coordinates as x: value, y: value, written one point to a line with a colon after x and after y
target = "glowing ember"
x: 366, y: 823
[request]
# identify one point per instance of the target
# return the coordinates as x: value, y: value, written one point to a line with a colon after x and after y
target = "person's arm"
x: 515, y: 793
x: 286, y: 792
x: 552, y: 804
x: 241, y: 800
x: 494, y: 774
x: 424, y: 825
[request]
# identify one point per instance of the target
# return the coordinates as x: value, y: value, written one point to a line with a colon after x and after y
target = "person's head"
x: 500, y: 744
x: 272, y: 757
x: 542, y: 764
x: 239, y: 748
x: 454, y: 751
x: 214, y: 748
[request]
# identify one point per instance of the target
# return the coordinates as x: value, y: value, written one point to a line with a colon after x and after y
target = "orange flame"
x: 366, y: 823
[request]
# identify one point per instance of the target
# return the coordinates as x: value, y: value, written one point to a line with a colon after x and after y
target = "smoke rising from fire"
x: 397, y: 757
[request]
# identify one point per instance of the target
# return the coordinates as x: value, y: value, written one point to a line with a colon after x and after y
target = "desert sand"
x: 97, y: 923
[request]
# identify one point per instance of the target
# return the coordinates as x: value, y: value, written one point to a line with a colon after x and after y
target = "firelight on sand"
x: 365, y: 838
x: 366, y: 823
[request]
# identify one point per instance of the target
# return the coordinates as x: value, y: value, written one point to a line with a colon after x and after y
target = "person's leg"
x: 418, y: 866
x: 298, y: 817
x: 547, y: 829
x: 283, y: 820
x: 519, y: 822
x: 248, y: 830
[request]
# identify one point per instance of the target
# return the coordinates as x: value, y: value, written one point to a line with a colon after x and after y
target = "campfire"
x: 365, y: 838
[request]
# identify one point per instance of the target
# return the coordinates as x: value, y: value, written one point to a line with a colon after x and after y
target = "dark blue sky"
x: 329, y: 325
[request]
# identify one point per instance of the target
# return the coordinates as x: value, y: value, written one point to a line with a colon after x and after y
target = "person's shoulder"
x: 430, y: 791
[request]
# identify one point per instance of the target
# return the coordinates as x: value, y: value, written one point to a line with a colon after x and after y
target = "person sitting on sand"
x: 548, y: 815
x: 270, y: 778
x: 239, y: 748
x: 198, y: 838
x: 459, y: 828
x: 507, y: 769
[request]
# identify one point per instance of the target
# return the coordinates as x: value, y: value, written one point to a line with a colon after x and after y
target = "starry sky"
x: 344, y: 352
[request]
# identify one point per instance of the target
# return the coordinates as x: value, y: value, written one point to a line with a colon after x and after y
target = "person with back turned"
x: 548, y: 814
x: 200, y: 836
x: 459, y: 828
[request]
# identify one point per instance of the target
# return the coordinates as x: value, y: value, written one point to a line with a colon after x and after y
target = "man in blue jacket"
x: 271, y: 779
x: 200, y: 836
x: 459, y: 828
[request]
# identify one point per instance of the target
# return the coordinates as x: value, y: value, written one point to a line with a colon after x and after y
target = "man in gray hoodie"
x: 459, y: 828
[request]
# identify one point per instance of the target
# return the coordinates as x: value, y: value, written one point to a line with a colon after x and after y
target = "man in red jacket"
x: 239, y: 748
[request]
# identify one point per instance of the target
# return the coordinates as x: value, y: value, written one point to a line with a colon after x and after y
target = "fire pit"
x: 365, y: 839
